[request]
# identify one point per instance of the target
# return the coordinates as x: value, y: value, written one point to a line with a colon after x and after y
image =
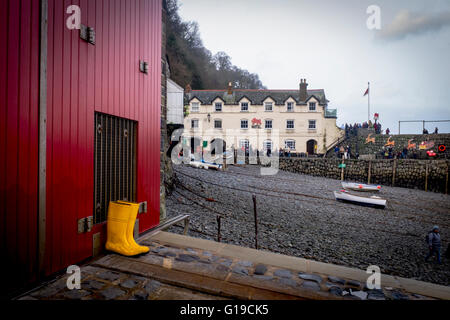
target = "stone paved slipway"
x: 313, y: 225
x: 173, y: 271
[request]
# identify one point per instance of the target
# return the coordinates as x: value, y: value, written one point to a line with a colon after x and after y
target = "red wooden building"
x: 79, y: 126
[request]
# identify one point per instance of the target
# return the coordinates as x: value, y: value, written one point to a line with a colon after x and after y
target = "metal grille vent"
x: 114, y: 162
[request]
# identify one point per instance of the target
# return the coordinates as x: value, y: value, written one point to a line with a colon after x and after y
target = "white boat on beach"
x: 360, y: 186
x: 205, y: 165
x: 372, y: 201
x: 228, y: 155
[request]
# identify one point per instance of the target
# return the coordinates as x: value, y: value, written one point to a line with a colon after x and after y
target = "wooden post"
x: 186, y: 226
x: 370, y: 172
x: 224, y: 164
x: 218, y: 228
x: 256, y: 221
x: 426, y: 177
x: 446, y: 181
x: 393, y: 172
x: 342, y: 169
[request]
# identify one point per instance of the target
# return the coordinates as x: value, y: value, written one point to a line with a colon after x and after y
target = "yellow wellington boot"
x: 130, y: 228
x: 116, y: 229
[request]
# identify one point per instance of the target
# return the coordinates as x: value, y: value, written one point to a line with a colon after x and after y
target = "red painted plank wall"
x: 19, y: 98
x: 105, y: 77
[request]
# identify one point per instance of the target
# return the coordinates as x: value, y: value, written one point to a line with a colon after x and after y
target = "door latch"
x: 143, y: 207
x: 85, y: 224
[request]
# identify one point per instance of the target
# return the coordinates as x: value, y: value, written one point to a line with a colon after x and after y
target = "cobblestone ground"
x: 298, y: 216
x: 99, y: 282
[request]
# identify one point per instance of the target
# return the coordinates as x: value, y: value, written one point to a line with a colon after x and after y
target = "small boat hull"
x: 373, y: 201
x: 205, y: 165
x: 360, y: 187
x: 219, y: 158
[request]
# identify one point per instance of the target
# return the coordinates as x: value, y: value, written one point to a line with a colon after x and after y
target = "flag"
x: 367, y: 92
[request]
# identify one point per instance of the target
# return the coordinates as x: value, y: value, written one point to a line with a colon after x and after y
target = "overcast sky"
x: 327, y: 42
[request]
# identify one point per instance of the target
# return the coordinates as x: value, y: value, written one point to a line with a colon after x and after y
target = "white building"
x: 248, y: 118
x: 175, y: 112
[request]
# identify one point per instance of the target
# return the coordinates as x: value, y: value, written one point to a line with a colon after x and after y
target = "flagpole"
x: 368, y: 102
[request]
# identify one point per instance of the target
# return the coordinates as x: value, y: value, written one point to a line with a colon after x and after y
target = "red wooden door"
x: 84, y: 78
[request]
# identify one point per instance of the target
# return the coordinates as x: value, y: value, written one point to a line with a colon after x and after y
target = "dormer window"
x: 244, y: 106
x: 268, y: 106
x: 195, y: 107
x: 290, y: 106
x: 218, y: 106
x: 312, y: 106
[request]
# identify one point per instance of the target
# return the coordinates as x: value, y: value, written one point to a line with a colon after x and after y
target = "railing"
x: 333, y: 144
x: 331, y: 113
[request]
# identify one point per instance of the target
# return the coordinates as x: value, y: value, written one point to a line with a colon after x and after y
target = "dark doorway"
x: 311, y: 147
x: 196, y: 146
x: 218, y: 145
x: 114, y: 162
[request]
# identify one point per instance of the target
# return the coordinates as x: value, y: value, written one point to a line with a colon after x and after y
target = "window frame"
x: 247, y: 106
x: 287, y: 124
x: 271, y: 124
x: 246, y: 144
x: 246, y: 120
x: 315, y: 124
x: 221, y: 122
x: 197, y: 108
x: 215, y: 106
x: 286, y: 144
x: 271, y: 106
x: 287, y: 107
x: 313, y: 103
x: 265, y: 145
x: 192, y: 122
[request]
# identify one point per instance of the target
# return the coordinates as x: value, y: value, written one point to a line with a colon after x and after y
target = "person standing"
x: 346, y: 153
x: 404, y: 153
x: 436, y: 130
x: 434, y: 244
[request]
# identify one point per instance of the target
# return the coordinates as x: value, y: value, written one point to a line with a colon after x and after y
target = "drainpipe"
x: 42, y: 138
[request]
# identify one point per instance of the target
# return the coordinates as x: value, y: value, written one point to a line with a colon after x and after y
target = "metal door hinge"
x: 143, y: 66
x: 85, y: 224
x: 143, y: 207
x: 87, y: 34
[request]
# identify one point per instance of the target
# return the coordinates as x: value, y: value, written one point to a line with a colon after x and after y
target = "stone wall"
x: 359, y: 144
x: 166, y: 171
x: 429, y: 175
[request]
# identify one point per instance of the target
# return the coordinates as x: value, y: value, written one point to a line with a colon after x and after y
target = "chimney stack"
x: 230, y: 88
x: 188, y: 88
x: 303, y: 90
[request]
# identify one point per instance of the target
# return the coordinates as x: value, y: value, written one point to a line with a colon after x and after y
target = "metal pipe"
x: 42, y: 205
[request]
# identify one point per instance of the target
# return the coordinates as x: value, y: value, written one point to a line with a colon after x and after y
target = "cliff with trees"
x: 191, y: 63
